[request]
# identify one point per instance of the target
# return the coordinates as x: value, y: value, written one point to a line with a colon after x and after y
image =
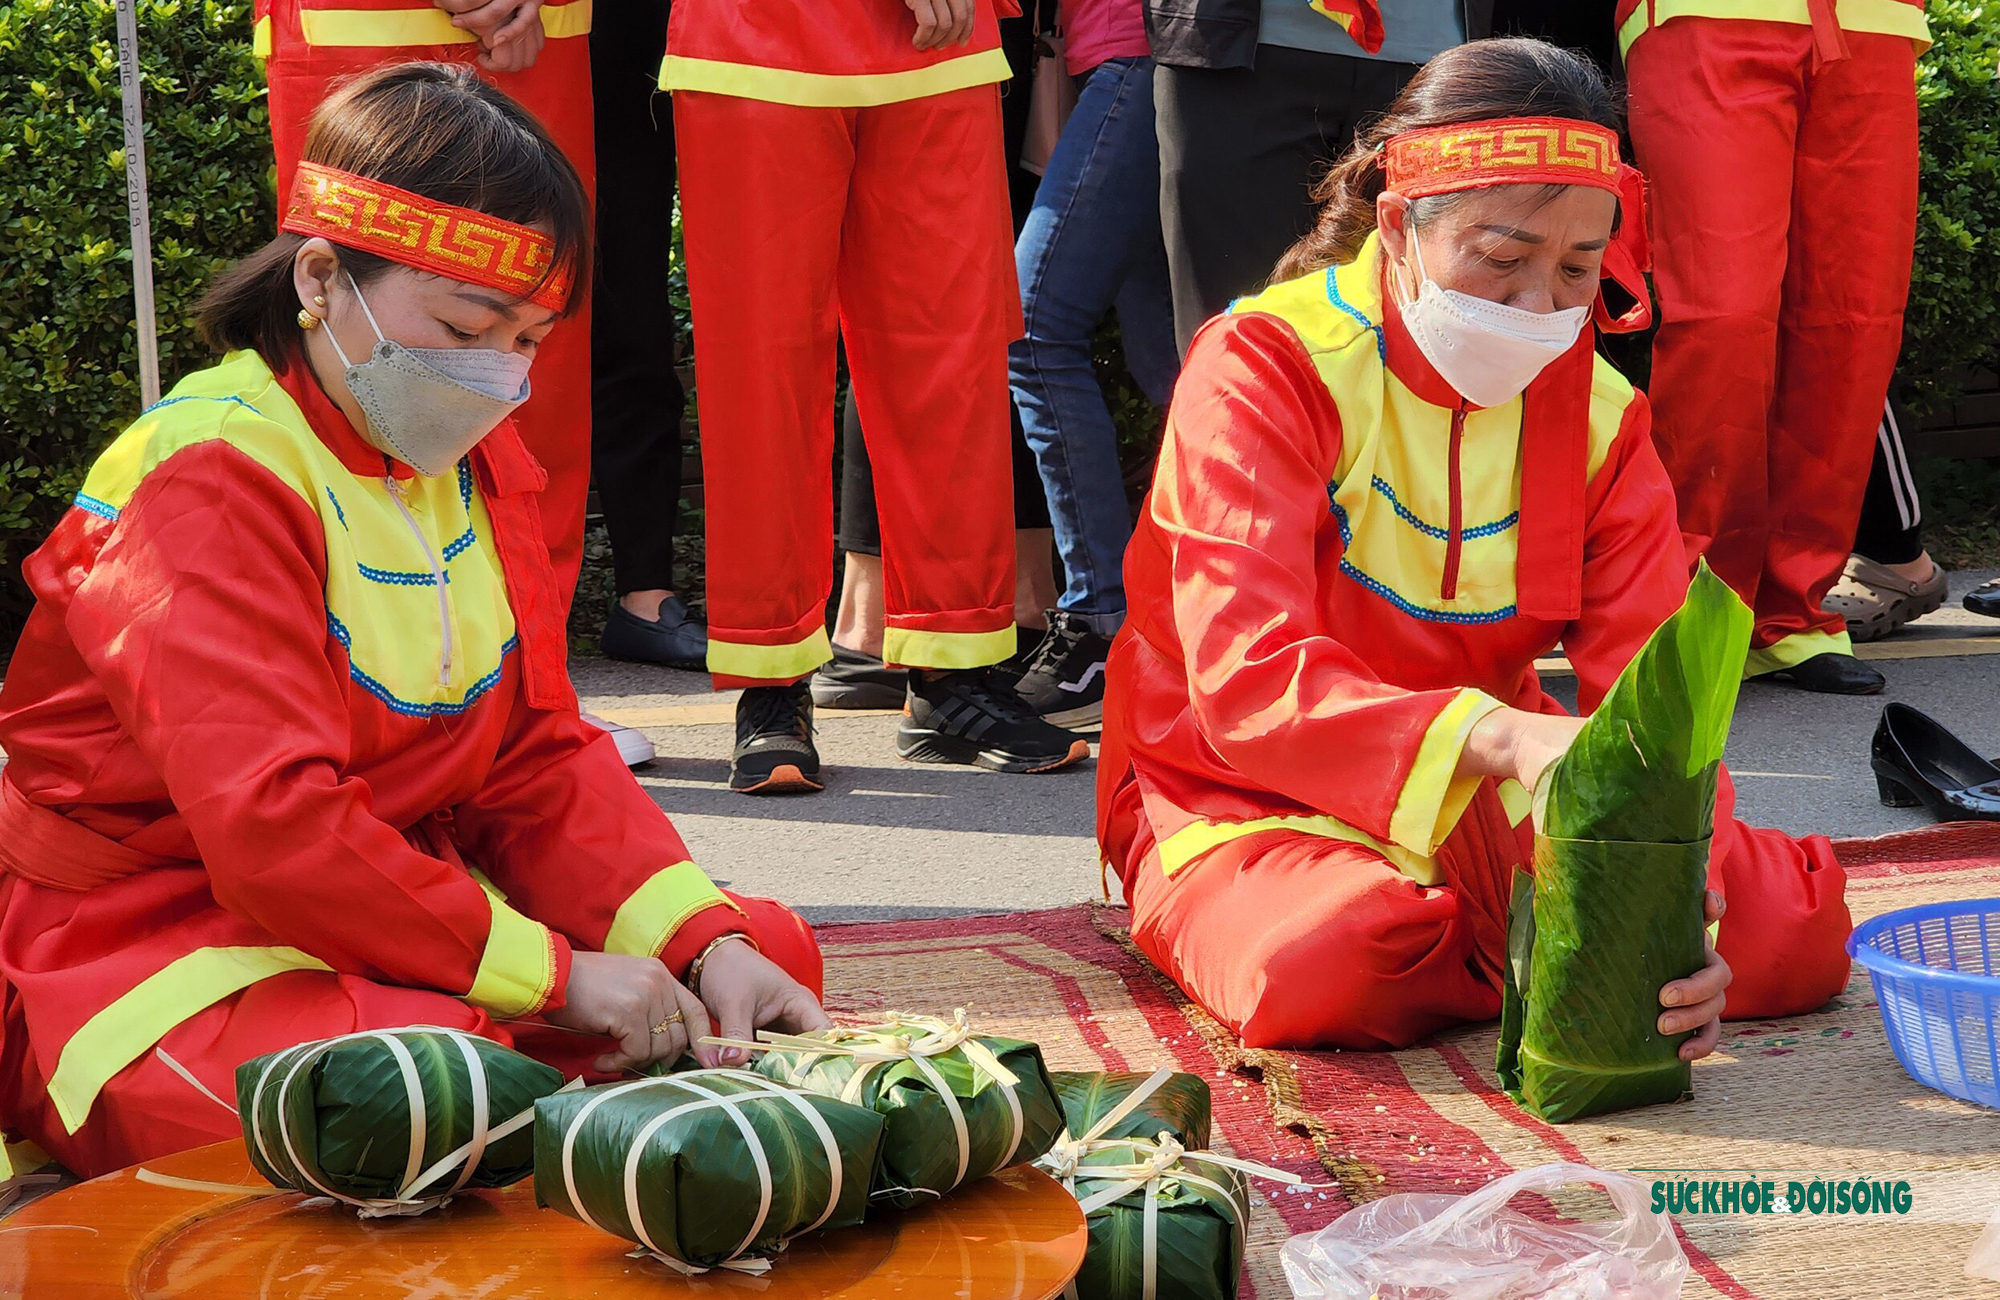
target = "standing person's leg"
x: 1889, y: 579
x: 1094, y: 227
x: 1714, y: 114
x: 1240, y: 150
x: 636, y: 397
x: 928, y: 304
x: 758, y: 177
x: 1854, y: 224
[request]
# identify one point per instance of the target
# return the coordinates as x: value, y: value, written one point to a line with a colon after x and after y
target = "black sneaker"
x: 774, y: 742
x: 973, y: 716
x: 854, y: 680
x: 1026, y: 639
x: 1063, y: 680
x: 677, y: 639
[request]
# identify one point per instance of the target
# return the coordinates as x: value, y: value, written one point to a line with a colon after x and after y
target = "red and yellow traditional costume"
x: 839, y: 184
x: 1342, y: 568
x: 292, y: 753
x: 1780, y: 137
x: 309, y: 45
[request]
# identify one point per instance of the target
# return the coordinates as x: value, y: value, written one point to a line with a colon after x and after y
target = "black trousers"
x: 860, y: 530
x: 1890, y: 530
x: 636, y: 399
x: 1240, y: 149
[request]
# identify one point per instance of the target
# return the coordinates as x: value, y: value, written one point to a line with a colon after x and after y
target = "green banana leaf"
x: 920, y: 1146
x: 1198, y: 1247
x: 696, y: 1171
x: 1179, y: 1106
x: 334, y: 1116
x: 1614, y: 908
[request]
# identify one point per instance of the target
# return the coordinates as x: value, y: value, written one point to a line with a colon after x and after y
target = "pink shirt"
x: 1096, y: 30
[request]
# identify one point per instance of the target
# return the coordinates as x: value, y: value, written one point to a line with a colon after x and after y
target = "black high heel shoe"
x: 1918, y: 764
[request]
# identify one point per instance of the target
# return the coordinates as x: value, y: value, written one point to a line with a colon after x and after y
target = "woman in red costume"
x: 1389, y: 482
x: 292, y: 751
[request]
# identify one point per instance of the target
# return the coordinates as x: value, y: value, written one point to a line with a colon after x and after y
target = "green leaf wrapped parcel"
x: 392, y: 1121
x: 958, y: 1106
x: 1166, y: 1220
x: 1614, y: 909
x: 707, y: 1168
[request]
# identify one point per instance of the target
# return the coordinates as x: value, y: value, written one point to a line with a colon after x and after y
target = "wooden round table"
x: 1015, y: 1236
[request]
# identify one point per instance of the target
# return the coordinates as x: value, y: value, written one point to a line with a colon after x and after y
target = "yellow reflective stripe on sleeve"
x: 832, y: 90
x: 1434, y: 796
x: 260, y: 38
x: 1190, y: 842
x: 388, y: 28
x: 517, y: 972
x: 910, y: 648
x: 1795, y: 650
x: 776, y: 663
x: 646, y: 921
x: 130, y: 1027
x: 1882, y: 17
x: 1514, y: 797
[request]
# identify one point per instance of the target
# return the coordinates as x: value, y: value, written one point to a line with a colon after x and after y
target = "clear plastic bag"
x: 1423, y: 1247
x: 1985, y: 1261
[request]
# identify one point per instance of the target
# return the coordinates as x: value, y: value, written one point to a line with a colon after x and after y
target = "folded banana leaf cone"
x: 1166, y: 1222
x: 707, y: 1168
x: 394, y: 1121
x: 958, y: 1106
x: 1178, y: 1105
x: 1613, y: 910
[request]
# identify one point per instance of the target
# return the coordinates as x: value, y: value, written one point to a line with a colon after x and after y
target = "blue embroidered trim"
x: 406, y: 708
x: 465, y: 481
x: 337, y: 511
x: 174, y: 401
x: 460, y: 544
x: 1472, y: 534
x: 1333, y: 296
x: 1462, y: 618
x: 102, y: 509
x: 399, y: 577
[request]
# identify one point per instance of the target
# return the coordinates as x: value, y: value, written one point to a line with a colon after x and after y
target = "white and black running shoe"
x: 973, y: 716
x: 774, y: 751
x: 1063, y: 680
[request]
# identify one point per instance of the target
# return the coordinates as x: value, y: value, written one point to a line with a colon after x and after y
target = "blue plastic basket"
x: 1937, y: 977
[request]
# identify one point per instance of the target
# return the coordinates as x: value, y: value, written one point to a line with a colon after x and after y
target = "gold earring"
x: 319, y: 300
x: 307, y: 321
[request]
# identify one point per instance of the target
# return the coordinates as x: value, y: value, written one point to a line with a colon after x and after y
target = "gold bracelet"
x: 694, y: 967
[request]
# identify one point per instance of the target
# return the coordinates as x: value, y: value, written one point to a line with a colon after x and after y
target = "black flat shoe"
x: 677, y: 639
x: 1831, y: 674
x: 1985, y: 599
x: 1918, y: 764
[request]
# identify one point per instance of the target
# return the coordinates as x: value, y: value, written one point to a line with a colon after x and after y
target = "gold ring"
x: 669, y: 1022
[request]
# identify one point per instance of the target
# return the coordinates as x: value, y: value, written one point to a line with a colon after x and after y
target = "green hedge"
x: 69, y: 378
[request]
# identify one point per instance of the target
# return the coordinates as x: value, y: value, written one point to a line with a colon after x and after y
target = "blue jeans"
x: 1091, y: 244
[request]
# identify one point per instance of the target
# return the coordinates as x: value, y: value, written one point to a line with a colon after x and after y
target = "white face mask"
x: 428, y: 407
x: 1487, y: 351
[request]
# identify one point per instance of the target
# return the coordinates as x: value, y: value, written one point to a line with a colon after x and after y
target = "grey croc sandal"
x: 1876, y: 601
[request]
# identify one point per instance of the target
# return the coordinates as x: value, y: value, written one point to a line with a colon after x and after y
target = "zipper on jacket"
x: 1448, y: 590
x: 437, y: 578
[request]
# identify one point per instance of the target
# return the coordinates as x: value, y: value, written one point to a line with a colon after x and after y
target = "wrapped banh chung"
x: 1167, y: 1221
x: 958, y: 1106
x: 393, y: 1121
x: 1613, y: 911
x: 707, y: 1168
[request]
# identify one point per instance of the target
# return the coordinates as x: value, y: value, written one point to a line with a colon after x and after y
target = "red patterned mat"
x: 1818, y: 1092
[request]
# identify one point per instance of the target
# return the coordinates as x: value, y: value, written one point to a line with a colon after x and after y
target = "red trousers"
x: 887, y: 228
x: 555, y: 422
x: 147, y: 1110
x: 1784, y: 213
x: 1294, y: 940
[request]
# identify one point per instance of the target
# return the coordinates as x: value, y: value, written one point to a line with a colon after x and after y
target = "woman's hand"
x: 514, y: 54
x: 1697, y: 1000
x: 624, y: 998
x: 941, y: 22
x: 747, y: 991
x: 1518, y: 744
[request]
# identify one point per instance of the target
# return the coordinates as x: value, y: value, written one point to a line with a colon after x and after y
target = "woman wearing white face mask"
x: 297, y: 666
x: 1389, y: 482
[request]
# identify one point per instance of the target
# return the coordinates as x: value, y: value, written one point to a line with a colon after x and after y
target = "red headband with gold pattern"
x: 1534, y: 151
x: 423, y: 233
